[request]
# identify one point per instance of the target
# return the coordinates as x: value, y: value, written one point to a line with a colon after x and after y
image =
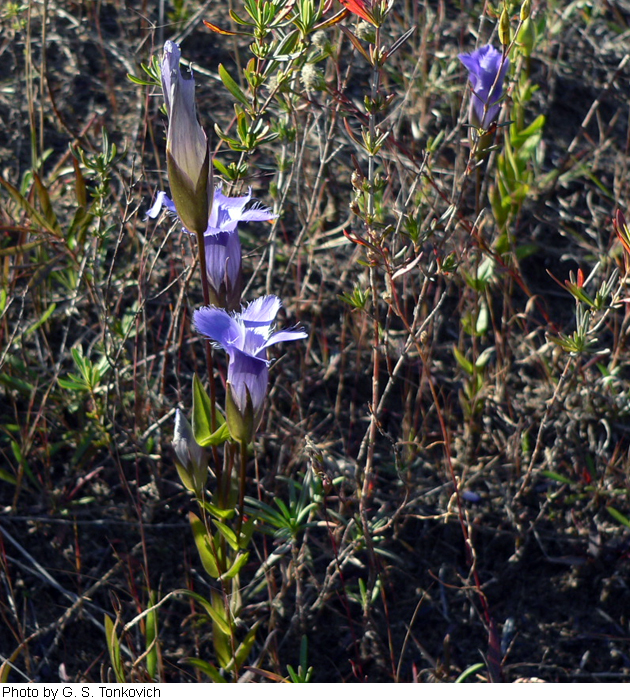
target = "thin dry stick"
x: 543, y: 424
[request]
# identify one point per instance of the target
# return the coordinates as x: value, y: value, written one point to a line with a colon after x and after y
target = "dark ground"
x: 91, y: 504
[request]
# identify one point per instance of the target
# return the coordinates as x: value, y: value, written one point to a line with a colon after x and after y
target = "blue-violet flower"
x: 487, y: 69
x: 245, y: 337
x: 222, y: 244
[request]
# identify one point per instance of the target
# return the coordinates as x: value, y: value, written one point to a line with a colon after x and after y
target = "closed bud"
x: 504, y: 28
x: 526, y: 10
x: 190, y: 458
x: 187, y: 153
x: 526, y: 38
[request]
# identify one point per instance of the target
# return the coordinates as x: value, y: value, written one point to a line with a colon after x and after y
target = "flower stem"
x: 241, y: 490
x: 201, y: 249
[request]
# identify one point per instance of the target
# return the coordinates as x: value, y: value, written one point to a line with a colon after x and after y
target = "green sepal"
x: 185, y: 477
x: 193, y: 201
x: 241, y: 426
x: 202, y: 418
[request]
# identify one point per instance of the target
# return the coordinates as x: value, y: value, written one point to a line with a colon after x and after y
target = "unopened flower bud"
x: 526, y: 9
x: 191, y: 460
x: 526, y: 38
x: 504, y: 28
x: 187, y: 154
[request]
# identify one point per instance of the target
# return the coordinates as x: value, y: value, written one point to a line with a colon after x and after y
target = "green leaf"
x: 232, y: 86
x: 483, y: 319
x: 151, y: 633
x: 246, y: 646
x: 222, y: 513
x: 47, y: 210
x: 211, y: 671
x: 16, y: 384
x: 356, y: 43
x: 557, y: 477
x: 219, y: 436
x: 238, y: 564
x: 9, y: 478
x: 468, y: 672
x: 41, y: 320
x: 28, y: 208
x: 228, y: 535
x: 201, y: 413
x: 218, y: 165
x: 525, y: 250
x: 465, y: 364
x: 618, y: 516
x: 218, y: 617
x: 200, y: 536
x: 222, y: 638
x: 113, y: 646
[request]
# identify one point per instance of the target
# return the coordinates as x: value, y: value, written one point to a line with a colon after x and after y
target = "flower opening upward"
x: 486, y: 71
x: 187, y: 154
x: 222, y: 244
x: 245, y: 337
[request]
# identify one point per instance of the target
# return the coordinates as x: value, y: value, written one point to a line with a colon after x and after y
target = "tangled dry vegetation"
x: 496, y: 497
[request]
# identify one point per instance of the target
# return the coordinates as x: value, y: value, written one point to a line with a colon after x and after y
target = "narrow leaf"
x: 232, y: 86
x: 465, y: 364
x: 618, y: 516
x: 356, y: 43
x: 114, y: 649
x: 238, y: 564
x: 151, y: 633
x: 225, y: 32
x: 201, y: 413
x: 205, y: 667
x: 201, y: 541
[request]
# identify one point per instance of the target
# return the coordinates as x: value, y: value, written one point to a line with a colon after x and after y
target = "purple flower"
x: 223, y: 246
x: 187, y: 155
x: 245, y: 337
x: 486, y: 71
